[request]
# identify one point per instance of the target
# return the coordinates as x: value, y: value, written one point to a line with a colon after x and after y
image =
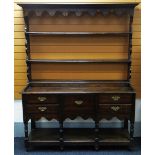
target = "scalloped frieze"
x: 109, y: 117
x: 104, y: 12
x: 79, y: 12
x: 38, y: 12
x: 49, y: 117
x: 51, y: 12
x: 73, y: 117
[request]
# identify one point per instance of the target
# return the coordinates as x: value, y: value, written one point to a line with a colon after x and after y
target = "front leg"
x: 131, y: 146
x: 126, y: 123
x: 26, y: 134
x: 33, y: 124
x: 61, y: 140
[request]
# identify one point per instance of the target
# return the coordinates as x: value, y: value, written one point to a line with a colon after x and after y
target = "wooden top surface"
x: 51, y: 3
x: 77, y: 87
x: 47, y: 4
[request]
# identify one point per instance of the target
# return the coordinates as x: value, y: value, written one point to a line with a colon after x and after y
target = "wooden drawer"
x: 115, y: 98
x: 40, y: 98
x: 78, y: 105
x: 45, y: 108
x: 115, y: 109
x: 78, y: 101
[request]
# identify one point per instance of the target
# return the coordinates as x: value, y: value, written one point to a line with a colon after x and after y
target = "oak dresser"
x: 101, y: 98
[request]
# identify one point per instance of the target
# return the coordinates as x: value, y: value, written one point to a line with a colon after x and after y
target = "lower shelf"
x: 76, y: 136
x: 44, y: 136
x: 114, y: 137
x: 79, y: 136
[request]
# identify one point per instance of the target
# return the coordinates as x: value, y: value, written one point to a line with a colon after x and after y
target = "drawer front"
x: 115, y: 109
x: 40, y: 98
x: 115, y: 98
x: 45, y: 108
x: 78, y: 101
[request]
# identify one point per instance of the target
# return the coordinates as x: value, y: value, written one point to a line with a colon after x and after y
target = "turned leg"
x: 33, y: 124
x: 132, y: 120
x: 131, y: 147
x: 61, y: 136
x: 26, y: 135
x: 61, y: 114
x: 126, y: 123
x: 96, y: 135
x: 96, y: 123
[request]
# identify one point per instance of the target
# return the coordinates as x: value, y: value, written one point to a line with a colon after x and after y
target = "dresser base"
x: 87, y: 99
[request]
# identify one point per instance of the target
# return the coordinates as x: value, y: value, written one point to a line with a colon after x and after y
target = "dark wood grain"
x: 98, y: 99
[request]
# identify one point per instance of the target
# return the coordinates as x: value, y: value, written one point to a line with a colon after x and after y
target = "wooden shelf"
x: 114, y: 136
x: 78, y: 61
x: 81, y: 33
x: 77, y: 136
x: 77, y: 88
x: 79, y: 81
x: 44, y: 136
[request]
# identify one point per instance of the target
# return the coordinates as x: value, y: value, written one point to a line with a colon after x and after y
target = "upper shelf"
x: 78, y: 61
x: 78, y: 8
x: 79, y: 33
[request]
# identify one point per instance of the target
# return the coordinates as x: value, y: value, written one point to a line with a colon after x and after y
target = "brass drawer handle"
x: 42, y: 109
x: 79, y: 102
x: 115, y: 98
x: 115, y: 108
x: 42, y: 99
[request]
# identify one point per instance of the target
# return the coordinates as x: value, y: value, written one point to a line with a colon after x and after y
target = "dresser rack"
x: 61, y: 99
